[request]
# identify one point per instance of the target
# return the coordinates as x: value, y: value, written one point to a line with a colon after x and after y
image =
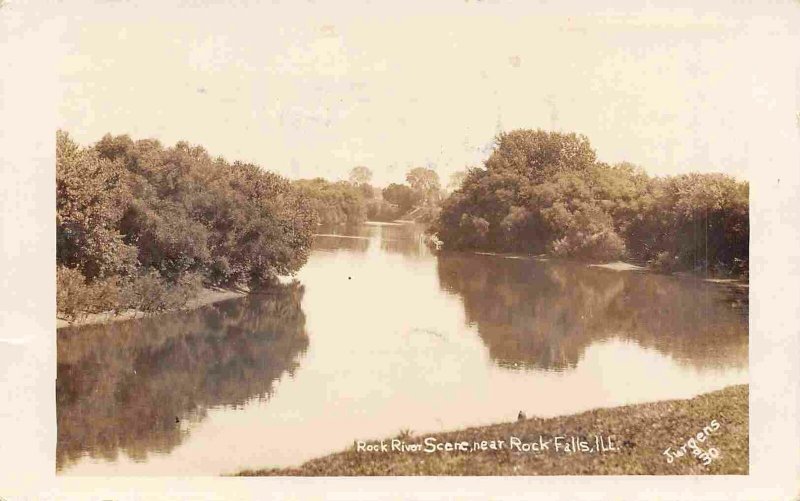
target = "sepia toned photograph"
x: 457, y: 238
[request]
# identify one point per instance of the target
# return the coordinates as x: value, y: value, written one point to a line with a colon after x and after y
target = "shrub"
x: 74, y: 296
x: 665, y: 262
x: 427, y: 214
x: 152, y: 293
x: 381, y: 210
x: 71, y: 291
x: 603, y: 246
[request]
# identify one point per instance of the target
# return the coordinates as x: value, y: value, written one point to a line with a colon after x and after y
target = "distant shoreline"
x: 207, y: 296
x: 618, y: 266
x: 640, y: 434
x: 213, y: 295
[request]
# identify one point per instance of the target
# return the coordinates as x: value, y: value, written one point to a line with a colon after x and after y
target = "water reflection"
x: 137, y: 386
x: 391, y: 238
x: 391, y: 337
x: 540, y: 314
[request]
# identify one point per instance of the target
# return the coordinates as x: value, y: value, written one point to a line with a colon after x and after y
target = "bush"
x: 152, y: 293
x: 605, y: 246
x: 381, y: 210
x: 71, y: 291
x: 149, y: 293
x: 74, y: 296
x: 665, y: 262
x: 428, y: 214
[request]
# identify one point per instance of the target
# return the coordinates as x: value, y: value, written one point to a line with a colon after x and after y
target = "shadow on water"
x: 129, y: 386
x: 544, y: 314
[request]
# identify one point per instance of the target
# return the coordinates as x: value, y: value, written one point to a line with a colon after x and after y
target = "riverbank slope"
x: 641, y: 433
x: 206, y: 296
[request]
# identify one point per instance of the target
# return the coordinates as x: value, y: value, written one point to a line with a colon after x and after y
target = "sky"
x: 313, y: 89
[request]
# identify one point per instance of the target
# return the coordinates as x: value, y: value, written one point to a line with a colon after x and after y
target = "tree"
x: 536, y: 154
x: 456, y: 180
x: 425, y: 181
x: 401, y: 195
x: 693, y: 221
x: 360, y: 175
x: 333, y: 203
x: 368, y: 191
x: 90, y: 200
x: 545, y: 192
x: 163, y: 218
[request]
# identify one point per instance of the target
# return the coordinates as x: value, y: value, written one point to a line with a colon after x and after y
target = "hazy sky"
x: 314, y: 88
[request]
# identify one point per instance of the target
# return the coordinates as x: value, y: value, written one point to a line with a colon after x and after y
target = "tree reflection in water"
x: 390, y: 238
x: 129, y: 386
x: 544, y: 314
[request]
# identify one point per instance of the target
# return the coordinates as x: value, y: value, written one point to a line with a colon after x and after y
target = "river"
x: 378, y: 335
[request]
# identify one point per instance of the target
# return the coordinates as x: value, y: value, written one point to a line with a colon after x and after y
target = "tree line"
x: 546, y: 193
x: 357, y: 200
x: 143, y: 226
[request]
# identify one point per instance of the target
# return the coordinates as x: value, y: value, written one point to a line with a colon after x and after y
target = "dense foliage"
x: 140, y: 225
x: 425, y: 182
x: 334, y: 202
x: 355, y: 201
x: 545, y: 192
x: 403, y: 196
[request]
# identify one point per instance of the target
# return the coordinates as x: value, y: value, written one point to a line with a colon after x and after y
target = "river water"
x: 379, y: 335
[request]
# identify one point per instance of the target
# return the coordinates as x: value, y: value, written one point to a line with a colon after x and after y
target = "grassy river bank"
x: 628, y: 440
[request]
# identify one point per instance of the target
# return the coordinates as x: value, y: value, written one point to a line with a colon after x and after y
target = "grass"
x: 640, y: 433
